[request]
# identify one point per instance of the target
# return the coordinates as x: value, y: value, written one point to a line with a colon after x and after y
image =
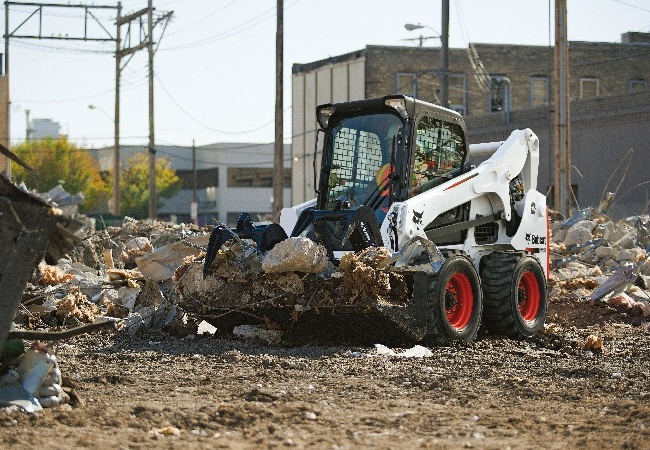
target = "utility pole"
x: 278, y: 160
x: 562, y: 151
x: 194, y: 209
x: 444, y: 56
x: 28, y: 128
x: 115, y: 203
x: 123, y: 49
x: 144, y: 40
x: 121, y: 52
x: 152, y: 140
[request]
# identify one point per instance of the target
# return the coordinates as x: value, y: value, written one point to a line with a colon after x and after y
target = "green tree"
x: 134, y: 187
x: 56, y: 160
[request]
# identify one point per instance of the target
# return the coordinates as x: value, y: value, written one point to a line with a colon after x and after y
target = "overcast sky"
x: 215, y: 63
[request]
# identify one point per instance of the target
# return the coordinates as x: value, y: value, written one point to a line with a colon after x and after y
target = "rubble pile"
x: 150, y: 274
x: 296, y: 272
x: 601, y: 261
x: 102, y: 276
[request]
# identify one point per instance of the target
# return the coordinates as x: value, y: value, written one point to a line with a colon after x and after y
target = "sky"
x: 215, y: 62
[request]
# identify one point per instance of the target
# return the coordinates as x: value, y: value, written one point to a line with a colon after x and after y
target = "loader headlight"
x: 323, y: 115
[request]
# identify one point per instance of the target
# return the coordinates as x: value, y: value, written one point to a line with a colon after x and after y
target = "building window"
x: 499, y: 94
x: 255, y: 177
x: 406, y: 83
x: 588, y: 87
x: 457, y: 93
x: 638, y: 85
x: 539, y: 91
x: 205, y: 178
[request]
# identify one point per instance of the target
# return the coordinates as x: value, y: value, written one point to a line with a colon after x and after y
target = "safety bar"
x: 484, y: 149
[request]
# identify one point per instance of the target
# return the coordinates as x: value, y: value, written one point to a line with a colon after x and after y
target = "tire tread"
x: 500, y: 315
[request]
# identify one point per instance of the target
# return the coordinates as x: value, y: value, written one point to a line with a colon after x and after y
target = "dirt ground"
x: 156, y: 391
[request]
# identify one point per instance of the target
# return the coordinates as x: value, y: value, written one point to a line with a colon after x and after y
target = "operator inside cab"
x: 439, y: 154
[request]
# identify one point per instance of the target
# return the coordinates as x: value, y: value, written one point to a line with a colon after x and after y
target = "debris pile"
x: 150, y: 274
x: 296, y: 273
x: 31, y: 229
x: 601, y: 261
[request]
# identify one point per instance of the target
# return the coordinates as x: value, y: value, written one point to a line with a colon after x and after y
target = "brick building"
x: 499, y: 88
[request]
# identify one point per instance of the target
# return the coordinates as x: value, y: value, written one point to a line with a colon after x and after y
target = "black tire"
x: 514, y: 295
x: 455, y: 302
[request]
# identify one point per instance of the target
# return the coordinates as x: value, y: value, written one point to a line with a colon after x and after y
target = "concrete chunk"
x: 296, y: 255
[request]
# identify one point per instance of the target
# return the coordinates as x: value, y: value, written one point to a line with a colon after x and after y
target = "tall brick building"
x: 499, y: 88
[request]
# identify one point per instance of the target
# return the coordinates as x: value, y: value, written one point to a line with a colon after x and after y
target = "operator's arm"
x: 420, y: 188
x: 435, y: 181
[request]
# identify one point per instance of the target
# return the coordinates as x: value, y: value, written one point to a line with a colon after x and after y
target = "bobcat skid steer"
x: 423, y: 246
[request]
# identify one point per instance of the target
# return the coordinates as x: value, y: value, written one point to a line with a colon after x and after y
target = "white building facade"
x: 231, y: 178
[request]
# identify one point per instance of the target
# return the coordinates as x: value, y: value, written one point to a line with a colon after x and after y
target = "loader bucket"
x: 345, y: 324
x: 361, y: 305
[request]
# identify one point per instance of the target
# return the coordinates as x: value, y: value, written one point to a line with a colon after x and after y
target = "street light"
x: 411, y: 27
x: 115, y: 204
x: 444, y: 51
x: 102, y: 110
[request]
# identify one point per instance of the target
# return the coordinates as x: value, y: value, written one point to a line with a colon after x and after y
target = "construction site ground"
x: 152, y: 390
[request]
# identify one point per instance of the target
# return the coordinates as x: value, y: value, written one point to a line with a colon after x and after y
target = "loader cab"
x: 377, y: 152
x: 363, y: 145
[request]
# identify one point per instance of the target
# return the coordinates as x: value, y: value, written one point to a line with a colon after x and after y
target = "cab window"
x: 439, y: 154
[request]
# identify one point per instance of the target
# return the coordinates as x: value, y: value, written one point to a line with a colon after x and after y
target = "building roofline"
x: 306, y: 67
x: 358, y: 54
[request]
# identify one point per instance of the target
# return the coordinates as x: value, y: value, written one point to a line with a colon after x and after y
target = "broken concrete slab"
x: 160, y: 264
x: 580, y: 233
x: 623, y: 275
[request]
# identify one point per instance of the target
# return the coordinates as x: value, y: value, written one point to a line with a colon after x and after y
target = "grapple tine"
x: 219, y: 236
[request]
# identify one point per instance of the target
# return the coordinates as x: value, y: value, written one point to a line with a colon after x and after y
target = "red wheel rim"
x: 528, y: 296
x: 459, y: 301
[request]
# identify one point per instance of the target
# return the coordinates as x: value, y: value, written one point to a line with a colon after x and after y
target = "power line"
x: 230, y: 32
x: 226, y: 164
x: 192, y: 25
x: 632, y: 6
x: 59, y: 49
x: 16, y: 7
x: 207, y: 126
x: 224, y: 34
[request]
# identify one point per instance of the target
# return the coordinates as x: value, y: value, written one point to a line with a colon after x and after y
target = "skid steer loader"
x: 467, y: 245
